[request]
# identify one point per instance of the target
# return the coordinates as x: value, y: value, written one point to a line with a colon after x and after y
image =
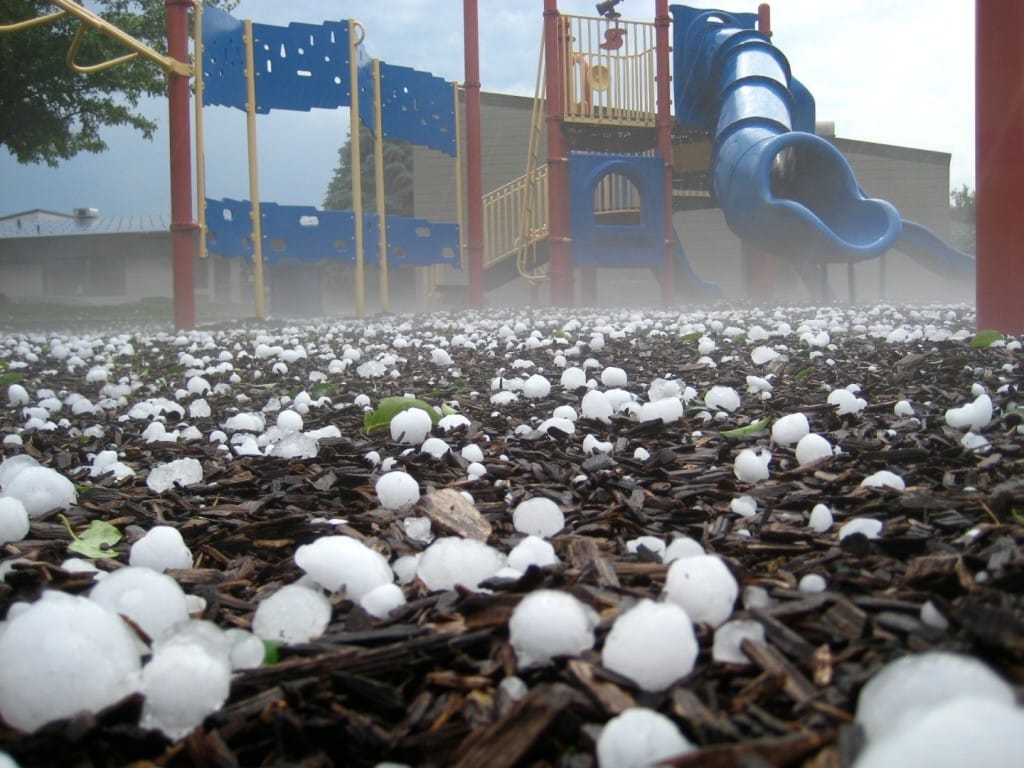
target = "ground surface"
x: 423, y: 687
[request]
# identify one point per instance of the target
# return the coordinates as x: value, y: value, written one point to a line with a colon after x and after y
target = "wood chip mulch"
x: 424, y: 687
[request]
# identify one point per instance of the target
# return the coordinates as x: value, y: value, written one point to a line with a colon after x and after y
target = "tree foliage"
x: 398, y: 192
x: 963, y: 217
x: 49, y: 113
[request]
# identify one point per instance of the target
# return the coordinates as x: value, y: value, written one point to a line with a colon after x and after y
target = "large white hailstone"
x: 907, y: 688
x: 903, y: 408
x: 614, y: 377
x: 565, y: 426
x: 9, y: 468
x: 537, y: 639
x: 751, y: 466
x: 820, y: 519
x: 538, y: 516
x: 845, y: 401
x: 436, y: 447
x: 756, y: 385
x: 638, y: 738
x: 864, y: 525
x: 182, y: 684
x: 813, y: 448
x: 452, y: 560
x: 884, y: 478
x: 704, y: 587
x: 41, y: 489
x: 452, y: 421
x: 245, y: 422
x: 411, y: 426
x: 744, y: 506
x: 161, y: 548
x: 418, y: 529
x: 652, y: 544
x: 681, y: 546
x: 293, y: 614
x: 812, y: 583
x: 17, y: 395
x: 397, y: 489
x: 788, y: 429
x: 197, y: 385
x: 960, y: 731
x: 289, y: 421
x: 975, y: 415
x: 246, y: 651
x: 573, y: 378
x: 152, y: 600
x: 536, y: 387
x: 342, y: 561
x: 380, y: 601
x: 532, y: 550
x: 653, y: 644
x: 14, y: 525
x: 565, y: 412
x: 405, y: 568
x: 720, y: 398
x: 199, y: 409
x: 295, y: 445
x: 63, y: 655
x: 108, y: 461
x: 763, y: 355
x: 180, y: 472
x: 440, y: 356
x: 593, y: 444
x: 668, y: 410
x: 727, y: 645
x: 595, y: 405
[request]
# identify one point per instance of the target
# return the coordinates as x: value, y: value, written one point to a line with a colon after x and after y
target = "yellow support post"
x: 460, y: 202
x: 357, y: 165
x: 378, y: 164
x: 254, y: 172
x: 197, y: 36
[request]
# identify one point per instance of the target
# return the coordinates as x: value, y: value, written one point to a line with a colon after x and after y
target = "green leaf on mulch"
x: 984, y: 339
x: 95, y: 541
x: 751, y: 429
x: 390, y: 407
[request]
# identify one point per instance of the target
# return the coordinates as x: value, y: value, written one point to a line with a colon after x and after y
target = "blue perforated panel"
x: 365, y: 82
x: 223, y: 59
x: 418, y: 107
x: 305, y: 233
x: 595, y: 244
x: 301, y: 66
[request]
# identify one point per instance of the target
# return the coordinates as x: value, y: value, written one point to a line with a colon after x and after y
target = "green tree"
x: 49, y: 113
x: 398, y: 195
x: 963, y: 217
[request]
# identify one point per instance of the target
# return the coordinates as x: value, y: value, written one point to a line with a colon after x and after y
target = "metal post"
x: 378, y: 167
x: 662, y: 22
x: 474, y: 153
x: 999, y: 121
x: 252, y: 146
x: 182, y: 225
x: 356, y: 163
x: 556, y: 38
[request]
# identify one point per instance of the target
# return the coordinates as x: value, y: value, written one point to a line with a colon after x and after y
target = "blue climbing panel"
x: 599, y: 244
x: 306, y: 233
x: 223, y: 59
x: 301, y: 66
x: 417, y: 107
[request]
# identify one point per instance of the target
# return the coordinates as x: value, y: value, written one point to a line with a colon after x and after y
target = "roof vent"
x: 87, y: 213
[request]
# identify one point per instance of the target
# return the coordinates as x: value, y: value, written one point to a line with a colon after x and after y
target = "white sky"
x: 890, y: 72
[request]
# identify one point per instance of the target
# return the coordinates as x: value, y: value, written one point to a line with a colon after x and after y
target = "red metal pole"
x: 563, y: 289
x: 474, y: 155
x: 662, y: 22
x: 183, y: 228
x: 999, y: 138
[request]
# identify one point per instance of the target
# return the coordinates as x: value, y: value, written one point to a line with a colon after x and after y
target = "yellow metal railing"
x: 609, y: 67
x: 509, y: 224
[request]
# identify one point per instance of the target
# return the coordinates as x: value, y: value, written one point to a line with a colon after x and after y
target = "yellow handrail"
x: 89, y: 20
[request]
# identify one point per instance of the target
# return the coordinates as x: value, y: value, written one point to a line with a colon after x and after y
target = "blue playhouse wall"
x: 306, y: 66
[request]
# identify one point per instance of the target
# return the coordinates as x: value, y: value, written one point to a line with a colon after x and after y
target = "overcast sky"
x: 897, y: 73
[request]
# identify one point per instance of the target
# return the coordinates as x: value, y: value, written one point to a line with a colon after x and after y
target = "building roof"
x: 13, y: 227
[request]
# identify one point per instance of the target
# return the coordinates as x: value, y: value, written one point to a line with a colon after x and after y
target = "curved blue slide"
x: 782, y: 188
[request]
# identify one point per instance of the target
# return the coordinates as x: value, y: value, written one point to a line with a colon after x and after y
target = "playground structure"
x: 782, y: 189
